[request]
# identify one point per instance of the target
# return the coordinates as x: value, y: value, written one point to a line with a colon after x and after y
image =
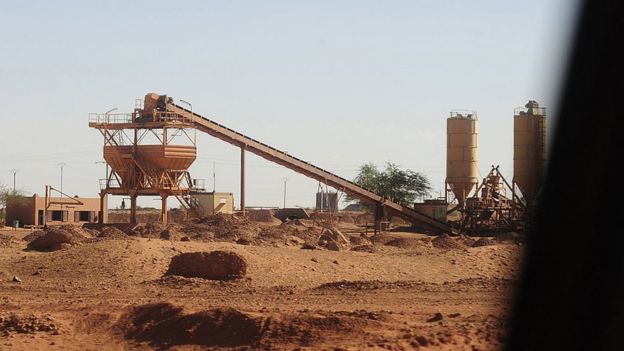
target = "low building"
x: 435, y: 208
x: 31, y: 211
x: 213, y: 202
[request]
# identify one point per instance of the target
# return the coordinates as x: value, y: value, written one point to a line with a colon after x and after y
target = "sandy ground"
x: 113, y: 295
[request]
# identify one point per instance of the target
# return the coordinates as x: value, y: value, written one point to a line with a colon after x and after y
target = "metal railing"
x: 112, y: 183
x: 464, y: 114
x: 158, y: 116
x: 110, y: 118
x: 530, y: 111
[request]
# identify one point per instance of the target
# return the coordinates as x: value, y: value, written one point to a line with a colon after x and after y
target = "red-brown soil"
x: 412, y: 292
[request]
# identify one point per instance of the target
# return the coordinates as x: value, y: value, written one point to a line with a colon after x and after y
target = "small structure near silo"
x: 435, y: 208
x: 491, y: 208
x: 285, y: 214
x: 208, y: 203
x: 327, y: 201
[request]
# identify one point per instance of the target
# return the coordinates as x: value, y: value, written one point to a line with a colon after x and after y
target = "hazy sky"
x: 336, y: 83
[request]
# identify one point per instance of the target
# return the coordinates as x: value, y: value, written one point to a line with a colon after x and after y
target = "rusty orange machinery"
x: 492, y: 207
x: 149, y: 152
x: 162, y: 168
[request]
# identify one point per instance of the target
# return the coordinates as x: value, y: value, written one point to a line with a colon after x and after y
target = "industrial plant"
x: 149, y: 151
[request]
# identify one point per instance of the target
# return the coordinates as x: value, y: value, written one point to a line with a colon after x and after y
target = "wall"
x: 27, y: 210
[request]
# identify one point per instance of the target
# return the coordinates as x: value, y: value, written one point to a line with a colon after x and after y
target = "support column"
x: 242, y: 180
x: 163, y: 209
x: 102, y: 209
x: 133, y: 204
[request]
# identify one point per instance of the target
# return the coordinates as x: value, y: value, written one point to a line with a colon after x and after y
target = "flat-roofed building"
x: 30, y: 211
x: 207, y: 203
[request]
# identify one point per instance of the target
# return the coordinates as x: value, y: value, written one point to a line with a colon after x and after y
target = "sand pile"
x: 381, y: 238
x: 57, y: 238
x: 364, y: 248
x: 510, y: 237
x: 149, y: 230
x: 264, y: 216
x: 172, y: 233
x: 466, y: 240
x: 221, y: 227
x: 164, y: 325
x: 288, y: 233
x: 410, y: 243
x: 445, y: 242
x: 334, y: 240
x: 360, y: 240
x: 483, y: 242
x: 215, y: 265
x: 112, y: 233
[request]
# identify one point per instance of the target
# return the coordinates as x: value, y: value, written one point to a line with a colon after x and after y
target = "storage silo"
x: 529, y: 149
x: 461, y: 154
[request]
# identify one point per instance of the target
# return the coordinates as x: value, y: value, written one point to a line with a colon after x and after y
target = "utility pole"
x: 285, y: 181
x: 105, y: 175
x: 14, y: 171
x: 62, y: 165
x: 214, y: 177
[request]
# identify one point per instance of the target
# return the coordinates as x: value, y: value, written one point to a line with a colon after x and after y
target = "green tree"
x: 394, y: 183
x: 5, y: 194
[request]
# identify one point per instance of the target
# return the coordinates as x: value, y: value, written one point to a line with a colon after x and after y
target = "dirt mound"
x: 7, y: 241
x: 381, y: 238
x: 483, y: 242
x: 148, y: 230
x: 29, y: 324
x: 221, y: 227
x: 368, y: 285
x: 409, y: 243
x: 164, y: 325
x: 511, y: 237
x: 466, y: 240
x: 215, y: 265
x: 360, y: 240
x: 445, y: 242
x: 34, y: 235
x: 264, y: 216
x: 112, y: 233
x: 171, y: 233
x: 364, y: 248
x: 57, y: 238
x: 334, y: 240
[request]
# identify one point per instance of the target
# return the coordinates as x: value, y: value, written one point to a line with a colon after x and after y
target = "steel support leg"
x: 164, y: 209
x: 242, y: 180
x: 133, y: 205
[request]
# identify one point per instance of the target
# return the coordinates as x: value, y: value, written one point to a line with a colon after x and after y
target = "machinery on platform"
x: 159, y: 167
x: 494, y: 204
x: 162, y: 169
x: 149, y: 152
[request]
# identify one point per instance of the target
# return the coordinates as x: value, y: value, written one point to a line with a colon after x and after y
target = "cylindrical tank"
x: 461, y: 154
x: 529, y: 149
